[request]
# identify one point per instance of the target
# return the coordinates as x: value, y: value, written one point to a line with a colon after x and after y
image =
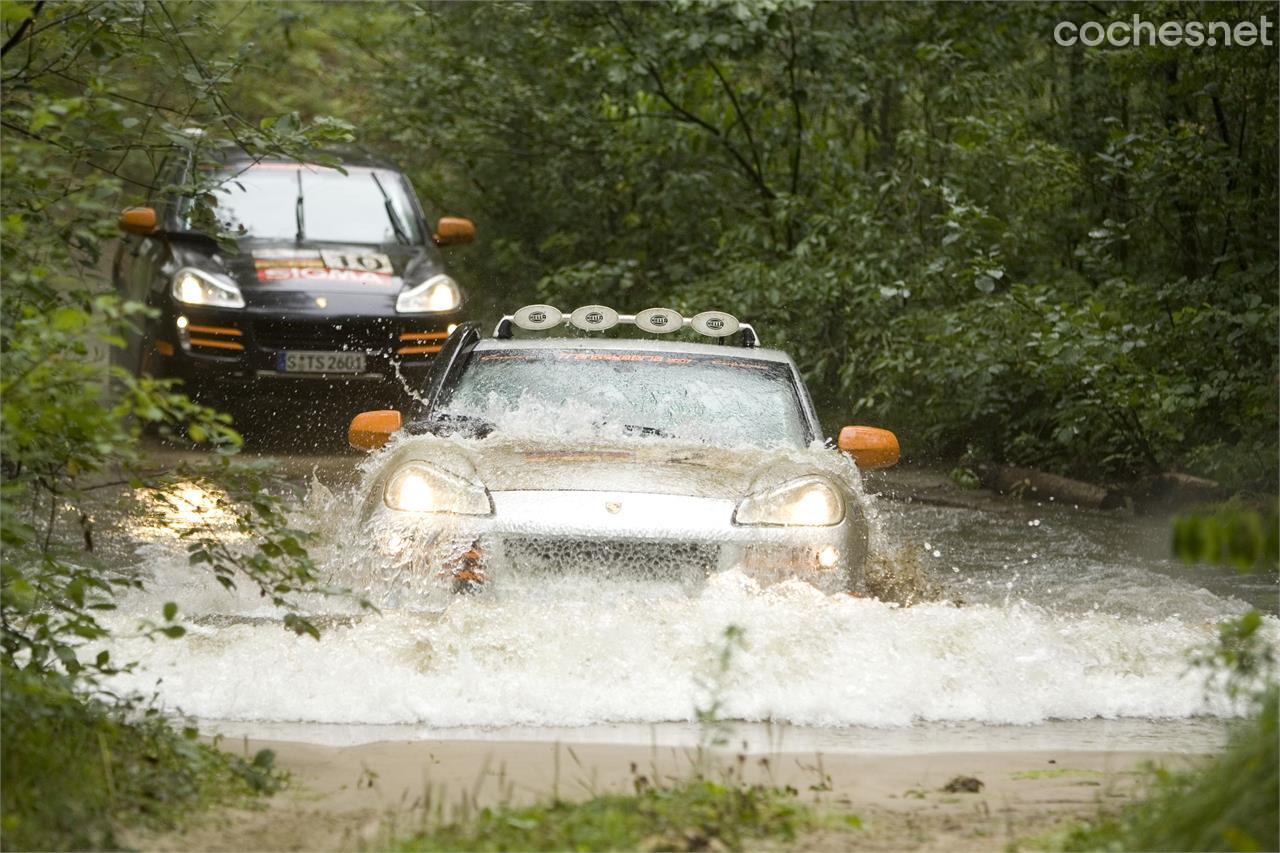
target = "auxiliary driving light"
x: 535, y: 318
x: 594, y: 318
x: 659, y: 321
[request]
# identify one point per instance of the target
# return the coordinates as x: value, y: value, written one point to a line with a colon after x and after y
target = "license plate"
x: 320, y: 362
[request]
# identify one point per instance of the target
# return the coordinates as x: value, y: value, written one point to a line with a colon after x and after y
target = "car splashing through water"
x: 527, y: 454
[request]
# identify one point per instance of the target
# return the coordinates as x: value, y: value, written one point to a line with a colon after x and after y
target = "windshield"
x: 718, y: 400
x: 366, y: 206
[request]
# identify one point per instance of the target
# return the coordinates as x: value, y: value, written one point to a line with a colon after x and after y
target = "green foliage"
x: 1242, y: 662
x: 96, y: 97
x: 715, y: 729
x: 693, y: 815
x: 1231, y: 804
x: 1243, y: 538
x: 74, y: 769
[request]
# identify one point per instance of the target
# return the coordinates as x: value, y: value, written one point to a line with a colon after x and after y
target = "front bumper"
x: 223, y: 354
x: 621, y: 535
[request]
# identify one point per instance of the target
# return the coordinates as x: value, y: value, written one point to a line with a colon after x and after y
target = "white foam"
x: 616, y: 655
x: 563, y: 651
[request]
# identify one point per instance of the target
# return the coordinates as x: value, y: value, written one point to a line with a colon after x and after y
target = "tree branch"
x: 746, y: 126
x: 70, y: 150
x: 22, y: 29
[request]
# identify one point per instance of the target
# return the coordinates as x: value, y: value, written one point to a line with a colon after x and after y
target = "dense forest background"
x: 1059, y: 257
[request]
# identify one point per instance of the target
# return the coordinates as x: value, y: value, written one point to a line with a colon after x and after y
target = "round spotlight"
x: 594, y: 318
x: 535, y: 318
x: 659, y: 321
x: 715, y: 324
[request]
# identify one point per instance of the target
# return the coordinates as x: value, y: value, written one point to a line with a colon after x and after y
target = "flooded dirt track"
x: 1052, y: 628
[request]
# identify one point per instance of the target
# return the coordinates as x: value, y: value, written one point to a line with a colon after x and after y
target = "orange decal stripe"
x: 210, y: 342
x: 423, y: 336
x: 216, y: 330
x: 417, y: 350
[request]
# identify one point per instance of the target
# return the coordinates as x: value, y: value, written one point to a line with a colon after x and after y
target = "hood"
x: 644, y: 465
x: 284, y: 275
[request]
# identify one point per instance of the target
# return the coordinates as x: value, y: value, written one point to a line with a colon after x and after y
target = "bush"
x: 1231, y: 804
x: 74, y: 769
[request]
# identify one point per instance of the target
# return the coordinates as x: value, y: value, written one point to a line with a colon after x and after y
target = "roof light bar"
x: 598, y: 318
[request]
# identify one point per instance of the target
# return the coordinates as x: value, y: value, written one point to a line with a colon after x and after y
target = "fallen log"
x: 1030, y: 484
x: 1174, y: 489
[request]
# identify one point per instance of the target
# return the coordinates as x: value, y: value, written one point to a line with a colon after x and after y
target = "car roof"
x: 234, y: 155
x: 637, y: 345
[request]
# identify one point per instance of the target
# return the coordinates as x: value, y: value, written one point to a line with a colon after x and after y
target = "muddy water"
x: 1054, y: 628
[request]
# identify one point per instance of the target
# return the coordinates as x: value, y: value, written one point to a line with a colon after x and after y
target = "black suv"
x: 334, y: 282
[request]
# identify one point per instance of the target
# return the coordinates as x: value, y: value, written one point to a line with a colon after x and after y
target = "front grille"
x: 610, y: 557
x: 325, y: 336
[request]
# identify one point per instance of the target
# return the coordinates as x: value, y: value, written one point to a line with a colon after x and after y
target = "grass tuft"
x: 696, y: 814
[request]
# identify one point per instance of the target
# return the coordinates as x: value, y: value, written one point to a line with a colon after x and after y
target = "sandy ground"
x: 345, y: 798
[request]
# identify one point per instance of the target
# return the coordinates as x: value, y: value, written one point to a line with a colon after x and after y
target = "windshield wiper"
x: 402, y: 236
x: 636, y: 429
x: 297, y: 208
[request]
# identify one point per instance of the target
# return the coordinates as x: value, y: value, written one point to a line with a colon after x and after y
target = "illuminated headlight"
x: 193, y: 286
x: 418, y: 487
x: 807, y: 502
x: 438, y: 293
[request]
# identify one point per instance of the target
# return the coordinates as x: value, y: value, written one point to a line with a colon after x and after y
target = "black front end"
x: 307, y: 331
x: 350, y: 361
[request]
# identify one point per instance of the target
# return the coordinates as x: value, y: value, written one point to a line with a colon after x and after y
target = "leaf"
x: 67, y: 318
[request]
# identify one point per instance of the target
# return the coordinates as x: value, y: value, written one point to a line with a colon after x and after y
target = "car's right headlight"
x: 419, y: 487
x: 804, y: 502
x: 192, y: 286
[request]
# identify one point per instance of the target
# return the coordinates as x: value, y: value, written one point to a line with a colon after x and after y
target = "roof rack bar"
x: 713, y: 324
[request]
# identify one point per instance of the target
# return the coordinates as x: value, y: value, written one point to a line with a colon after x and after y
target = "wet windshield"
x: 364, y: 206
x: 711, y: 399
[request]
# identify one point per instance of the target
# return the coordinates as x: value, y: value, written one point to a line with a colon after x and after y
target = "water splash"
x: 573, y: 650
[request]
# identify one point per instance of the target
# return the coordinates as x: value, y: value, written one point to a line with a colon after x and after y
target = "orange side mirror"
x: 371, y: 430
x: 870, y: 447
x: 138, y: 220
x: 454, y: 231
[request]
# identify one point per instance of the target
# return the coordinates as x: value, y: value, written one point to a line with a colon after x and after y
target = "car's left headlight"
x: 438, y: 293
x: 419, y: 487
x: 804, y: 502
